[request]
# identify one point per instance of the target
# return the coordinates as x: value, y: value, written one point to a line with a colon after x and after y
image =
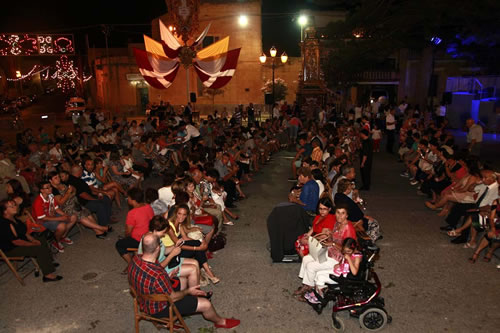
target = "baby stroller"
x: 360, y: 295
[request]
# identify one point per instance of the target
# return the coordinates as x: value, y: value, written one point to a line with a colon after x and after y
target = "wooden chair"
x: 11, y: 262
x: 168, y: 322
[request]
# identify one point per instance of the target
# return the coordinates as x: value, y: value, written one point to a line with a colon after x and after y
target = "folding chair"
x: 11, y: 262
x: 169, y: 322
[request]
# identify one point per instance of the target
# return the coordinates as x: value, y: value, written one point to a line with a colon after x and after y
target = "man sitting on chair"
x: 147, y: 277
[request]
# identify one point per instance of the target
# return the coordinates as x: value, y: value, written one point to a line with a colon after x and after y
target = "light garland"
x: 65, y: 74
x: 31, y: 44
x: 25, y: 75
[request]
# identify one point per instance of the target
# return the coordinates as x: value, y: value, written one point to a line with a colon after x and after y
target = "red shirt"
x: 43, y: 208
x: 149, y: 278
x: 327, y: 222
x: 139, y: 219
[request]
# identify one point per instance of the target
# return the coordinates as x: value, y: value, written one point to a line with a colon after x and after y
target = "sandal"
x: 301, y: 290
x: 453, y: 233
x: 469, y: 245
x: 430, y: 205
x: 473, y: 259
x: 487, y: 258
x: 229, y: 223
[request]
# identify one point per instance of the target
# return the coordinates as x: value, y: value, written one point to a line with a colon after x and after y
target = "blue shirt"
x: 310, y: 195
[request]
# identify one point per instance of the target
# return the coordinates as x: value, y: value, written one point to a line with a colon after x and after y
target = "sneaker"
x: 404, y: 174
x: 58, y: 246
x: 66, y: 241
x: 414, y: 182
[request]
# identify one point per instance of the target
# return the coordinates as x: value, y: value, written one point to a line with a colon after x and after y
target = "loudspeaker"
x: 192, y: 97
x: 447, y: 97
x: 268, y: 99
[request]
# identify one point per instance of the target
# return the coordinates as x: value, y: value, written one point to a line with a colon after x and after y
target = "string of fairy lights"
x: 64, y: 72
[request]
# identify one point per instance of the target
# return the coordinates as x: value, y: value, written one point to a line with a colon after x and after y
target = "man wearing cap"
x: 366, y: 155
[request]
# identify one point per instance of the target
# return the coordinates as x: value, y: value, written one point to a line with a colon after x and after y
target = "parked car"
x: 74, y: 104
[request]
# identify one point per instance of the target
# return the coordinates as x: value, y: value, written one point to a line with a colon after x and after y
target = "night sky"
x: 132, y: 19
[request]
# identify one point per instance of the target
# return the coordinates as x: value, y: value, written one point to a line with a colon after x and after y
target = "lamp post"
x: 302, y: 22
x: 273, y: 52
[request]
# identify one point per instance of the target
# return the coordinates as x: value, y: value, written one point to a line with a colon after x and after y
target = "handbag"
x: 217, y: 242
x: 195, y: 234
x: 316, y: 248
x: 204, y: 219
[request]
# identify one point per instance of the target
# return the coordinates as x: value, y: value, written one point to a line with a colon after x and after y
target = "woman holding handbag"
x: 324, y: 220
x: 310, y: 267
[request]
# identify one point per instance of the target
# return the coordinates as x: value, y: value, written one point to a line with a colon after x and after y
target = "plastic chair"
x: 168, y: 322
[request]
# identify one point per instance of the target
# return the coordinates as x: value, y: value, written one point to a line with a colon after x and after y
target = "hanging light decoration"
x: 65, y: 74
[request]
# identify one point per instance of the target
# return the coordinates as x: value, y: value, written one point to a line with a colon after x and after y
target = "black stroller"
x: 360, y: 296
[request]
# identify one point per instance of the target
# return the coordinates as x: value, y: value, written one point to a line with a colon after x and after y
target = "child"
x: 376, y: 137
x: 348, y: 266
x: 218, y: 195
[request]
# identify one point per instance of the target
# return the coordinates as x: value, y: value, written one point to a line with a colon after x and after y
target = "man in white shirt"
x: 440, y: 114
x: 390, y: 126
x: 474, y: 137
x: 192, y: 133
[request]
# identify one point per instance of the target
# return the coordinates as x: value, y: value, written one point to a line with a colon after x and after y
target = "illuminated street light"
x: 302, y: 22
x: 262, y: 58
x: 284, y: 57
x: 273, y: 51
x: 243, y: 20
x: 18, y: 74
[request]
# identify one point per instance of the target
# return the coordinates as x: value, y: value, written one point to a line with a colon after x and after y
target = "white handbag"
x: 316, y: 248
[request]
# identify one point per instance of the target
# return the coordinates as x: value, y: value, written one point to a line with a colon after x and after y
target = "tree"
x: 280, y: 88
x: 212, y: 93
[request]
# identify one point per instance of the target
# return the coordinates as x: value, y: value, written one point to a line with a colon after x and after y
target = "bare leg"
x: 207, y: 310
x: 91, y: 224
x: 69, y: 225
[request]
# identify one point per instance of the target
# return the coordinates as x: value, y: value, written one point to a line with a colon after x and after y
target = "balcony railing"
x: 377, y: 76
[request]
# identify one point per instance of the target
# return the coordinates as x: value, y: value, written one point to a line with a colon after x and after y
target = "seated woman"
x: 7, y: 172
x: 124, y: 178
x: 66, y: 197
x: 187, y: 270
x: 461, y: 192
x: 16, y: 192
x: 197, y: 213
x: 309, y: 268
x: 348, y: 267
x: 491, y: 239
x: 15, y: 241
x: 323, y: 222
x: 179, y: 228
x: 101, y: 174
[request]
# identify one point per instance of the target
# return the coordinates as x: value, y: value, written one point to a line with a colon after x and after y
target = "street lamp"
x: 273, y: 52
x: 243, y: 20
x: 302, y: 22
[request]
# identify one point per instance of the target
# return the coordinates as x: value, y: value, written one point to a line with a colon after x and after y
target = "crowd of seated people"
x: 460, y: 186
x: 77, y: 177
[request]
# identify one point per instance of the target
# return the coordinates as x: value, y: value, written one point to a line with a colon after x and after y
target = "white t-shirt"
x: 441, y: 111
x: 321, y: 187
x: 389, y: 118
x: 166, y: 195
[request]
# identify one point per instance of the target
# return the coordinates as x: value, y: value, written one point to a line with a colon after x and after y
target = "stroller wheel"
x: 373, y: 319
x: 338, y: 324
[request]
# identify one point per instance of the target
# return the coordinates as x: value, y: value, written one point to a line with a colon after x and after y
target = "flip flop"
x: 229, y: 223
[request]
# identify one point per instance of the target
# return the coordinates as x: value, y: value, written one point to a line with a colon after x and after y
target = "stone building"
x: 120, y: 87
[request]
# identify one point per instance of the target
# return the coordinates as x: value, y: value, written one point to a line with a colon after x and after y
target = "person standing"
x: 390, y: 127
x: 440, y: 114
x: 474, y: 137
x: 366, y: 156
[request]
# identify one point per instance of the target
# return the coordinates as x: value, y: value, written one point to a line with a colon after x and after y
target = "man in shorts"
x: 46, y: 212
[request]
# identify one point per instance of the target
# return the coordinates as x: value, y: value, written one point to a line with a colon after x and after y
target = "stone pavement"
x: 427, y: 282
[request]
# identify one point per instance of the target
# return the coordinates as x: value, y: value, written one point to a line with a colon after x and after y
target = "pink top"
x: 342, y: 268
